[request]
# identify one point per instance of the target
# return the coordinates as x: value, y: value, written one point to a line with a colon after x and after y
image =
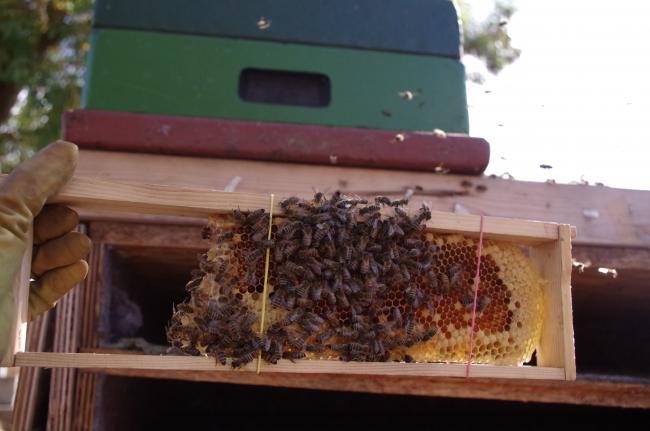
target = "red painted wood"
x: 121, y: 131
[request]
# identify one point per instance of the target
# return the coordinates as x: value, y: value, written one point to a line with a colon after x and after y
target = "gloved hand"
x: 57, y: 261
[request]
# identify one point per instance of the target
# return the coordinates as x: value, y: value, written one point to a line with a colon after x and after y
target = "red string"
x: 476, y: 283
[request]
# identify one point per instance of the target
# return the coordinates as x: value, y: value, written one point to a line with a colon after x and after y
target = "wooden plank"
x: 556, y: 347
x: 139, y: 72
x: 29, y: 378
x: 619, y: 258
x: 580, y: 392
x: 88, y: 193
x: 624, y: 215
x: 93, y: 194
x: 421, y: 27
x: 198, y: 363
x: 19, y: 313
x: 564, y: 243
x: 163, y: 134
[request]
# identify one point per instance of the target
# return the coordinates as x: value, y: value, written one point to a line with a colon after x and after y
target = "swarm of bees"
x: 350, y: 279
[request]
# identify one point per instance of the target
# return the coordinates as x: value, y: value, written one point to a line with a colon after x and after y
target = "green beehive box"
x: 427, y: 27
x: 187, y: 75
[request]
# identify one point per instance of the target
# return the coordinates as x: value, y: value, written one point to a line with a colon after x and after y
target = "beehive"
x: 419, y: 312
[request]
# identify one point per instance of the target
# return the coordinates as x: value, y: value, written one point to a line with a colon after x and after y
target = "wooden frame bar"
x: 282, y: 142
x: 551, y: 251
x: 200, y: 363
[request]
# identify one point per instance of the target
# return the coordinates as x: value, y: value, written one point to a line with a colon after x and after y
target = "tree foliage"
x: 488, y: 39
x: 43, y: 47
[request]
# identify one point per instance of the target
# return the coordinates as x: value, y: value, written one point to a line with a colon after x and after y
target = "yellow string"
x: 265, y: 294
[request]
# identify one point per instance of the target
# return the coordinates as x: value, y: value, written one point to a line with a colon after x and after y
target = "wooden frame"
x: 551, y: 252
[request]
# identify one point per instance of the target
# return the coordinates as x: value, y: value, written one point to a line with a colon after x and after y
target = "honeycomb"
x: 356, y: 281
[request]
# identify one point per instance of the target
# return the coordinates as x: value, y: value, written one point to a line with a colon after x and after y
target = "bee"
x: 355, y: 347
x: 292, y: 317
x: 193, y: 284
x: 293, y: 355
x: 410, y: 325
x: 429, y: 334
x: 467, y: 301
x: 455, y: 272
x: 296, y: 343
x: 288, y: 229
x: 444, y: 280
x: 304, y: 302
x: 396, y: 316
x: 316, y: 292
x: 324, y: 336
x: 266, y: 243
x: 382, y: 200
x: 370, y: 210
x: 184, y: 307
x: 220, y: 357
x: 321, y: 231
x: 293, y: 268
x: 365, y: 264
x: 342, y: 300
x: 318, y: 197
x: 206, y: 232
x: 239, y: 216
x: 289, y: 201
x: 254, y: 216
x: 224, y: 237
x: 314, y: 348
x: 423, y: 215
x: 483, y: 301
x: 413, y: 243
x: 400, y: 203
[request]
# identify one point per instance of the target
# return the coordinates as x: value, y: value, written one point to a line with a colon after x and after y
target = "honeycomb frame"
x: 501, y: 348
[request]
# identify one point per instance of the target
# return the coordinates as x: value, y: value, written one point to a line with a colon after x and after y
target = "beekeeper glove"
x: 57, y: 259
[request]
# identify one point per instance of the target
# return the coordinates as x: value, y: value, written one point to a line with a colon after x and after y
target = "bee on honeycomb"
x: 355, y: 280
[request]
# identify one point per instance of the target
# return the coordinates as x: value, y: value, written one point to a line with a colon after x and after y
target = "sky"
x: 578, y: 98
